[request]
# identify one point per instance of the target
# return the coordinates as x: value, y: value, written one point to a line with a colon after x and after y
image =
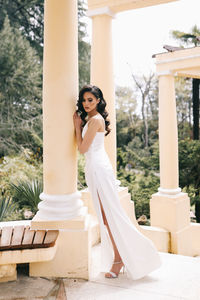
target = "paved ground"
x: 178, y: 278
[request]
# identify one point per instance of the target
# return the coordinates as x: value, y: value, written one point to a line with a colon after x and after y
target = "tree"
x: 127, y: 121
x: 144, y: 86
x: 83, y: 46
x: 20, y: 92
x: 184, y: 107
x: 188, y: 39
x: 189, y: 164
x: 26, y: 15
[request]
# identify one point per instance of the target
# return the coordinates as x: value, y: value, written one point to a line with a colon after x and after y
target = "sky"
x: 140, y: 33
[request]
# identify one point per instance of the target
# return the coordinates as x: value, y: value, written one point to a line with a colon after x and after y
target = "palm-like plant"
x: 26, y: 194
x: 7, y: 207
x: 191, y: 38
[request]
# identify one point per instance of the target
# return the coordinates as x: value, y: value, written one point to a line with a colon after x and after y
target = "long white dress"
x: 138, y: 253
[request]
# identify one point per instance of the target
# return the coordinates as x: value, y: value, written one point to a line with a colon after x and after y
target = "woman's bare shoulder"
x: 94, y: 121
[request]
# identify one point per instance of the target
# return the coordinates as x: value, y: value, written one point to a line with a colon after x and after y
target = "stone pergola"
x: 62, y: 206
x: 170, y: 208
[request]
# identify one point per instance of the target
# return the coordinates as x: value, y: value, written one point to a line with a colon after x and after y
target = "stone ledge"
x: 77, y: 223
x: 27, y: 255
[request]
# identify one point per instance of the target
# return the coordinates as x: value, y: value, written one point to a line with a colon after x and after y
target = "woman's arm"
x: 93, y: 126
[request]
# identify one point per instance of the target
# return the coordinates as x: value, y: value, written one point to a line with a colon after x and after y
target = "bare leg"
x: 117, y: 258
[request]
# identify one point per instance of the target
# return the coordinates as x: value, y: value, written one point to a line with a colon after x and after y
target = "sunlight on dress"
x: 138, y: 253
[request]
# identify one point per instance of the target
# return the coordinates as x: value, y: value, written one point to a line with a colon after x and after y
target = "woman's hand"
x: 77, y: 121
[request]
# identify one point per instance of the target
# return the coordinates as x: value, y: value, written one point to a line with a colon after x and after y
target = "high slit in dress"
x: 138, y: 253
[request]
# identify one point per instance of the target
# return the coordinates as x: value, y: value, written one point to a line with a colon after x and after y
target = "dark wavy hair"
x: 100, y: 106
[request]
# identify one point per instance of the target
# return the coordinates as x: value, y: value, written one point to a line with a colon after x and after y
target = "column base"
x: 186, y: 241
x: 172, y: 212
x: 77, y: 223
x: 60, y: 207
x: 73, y: 255
x: 8, y: 273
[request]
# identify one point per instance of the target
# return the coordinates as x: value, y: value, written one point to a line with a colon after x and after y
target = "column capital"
x: 101, y: 11
x: 165, y: 73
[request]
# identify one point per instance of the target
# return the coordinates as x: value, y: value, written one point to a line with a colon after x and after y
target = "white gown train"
x: 138, y: 253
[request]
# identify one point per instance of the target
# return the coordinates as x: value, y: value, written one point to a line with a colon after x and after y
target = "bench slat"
x: 50, y: 238
x: 28, y: 237
x: 6, y: 236
x: 39, y: 237
x: 22, y: 237
x: 17, y: 237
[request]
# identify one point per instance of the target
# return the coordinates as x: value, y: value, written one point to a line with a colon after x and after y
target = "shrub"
x: 26, y: 194
x: 7, y: 207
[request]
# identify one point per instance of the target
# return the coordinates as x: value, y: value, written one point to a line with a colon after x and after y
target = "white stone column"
x: 102, y: 74
x: 168, y: 136
x: 61, y: 206
x: 170, y: 208
x: 60, y: 199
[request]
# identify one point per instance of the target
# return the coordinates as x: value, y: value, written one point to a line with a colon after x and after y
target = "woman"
x: 118, y: 235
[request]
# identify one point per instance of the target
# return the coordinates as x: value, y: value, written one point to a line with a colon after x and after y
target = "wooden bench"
x: 20, y: 244
x: 22, y: 237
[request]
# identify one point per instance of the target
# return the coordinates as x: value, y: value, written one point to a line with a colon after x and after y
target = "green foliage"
x: 21, y: 42
x: 142, y: 178
x: 83, y: 46
x: 126, y: 118
x: 184, y: 106
x: 141, y: 185
x: 138, y: 166
x: 187, y: 38
x: 189, y: 163
x: 26, y: 16
x: 22, y: 166
x: 135, y: 172
x: 135, y: 127
x: 148, y: 185
x: 7, y: 207
x: 121, y: 159
x: 81, y: 172
x: 20, y: 92
x: 26, y: 194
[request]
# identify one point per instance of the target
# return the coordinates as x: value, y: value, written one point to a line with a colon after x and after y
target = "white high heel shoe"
x: 113, y: 274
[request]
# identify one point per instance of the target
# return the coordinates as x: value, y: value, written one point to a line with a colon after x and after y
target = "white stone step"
x: 95, y: 230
